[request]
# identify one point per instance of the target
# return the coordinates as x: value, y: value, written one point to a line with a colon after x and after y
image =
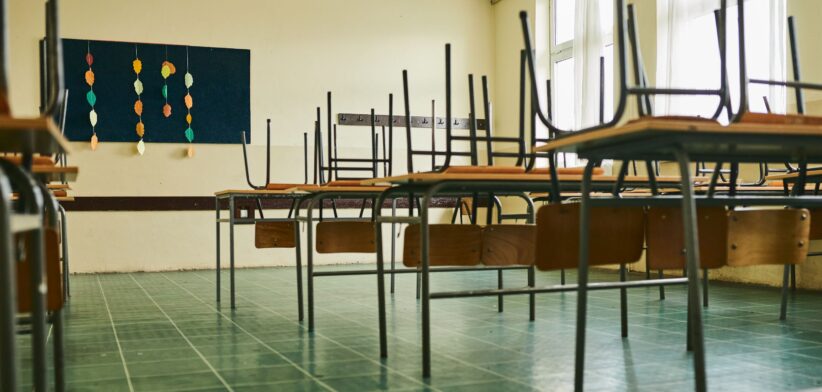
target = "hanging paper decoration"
x: 166, y: 70
x: 189, y: 132
x: 91, y: 97
x: 137, y: 65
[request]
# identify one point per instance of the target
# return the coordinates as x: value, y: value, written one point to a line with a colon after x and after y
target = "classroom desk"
x: 235, y: 194
x: 27, y: 137
x: 684, y: 142
x: 431, y: 184
x: 313, y: 196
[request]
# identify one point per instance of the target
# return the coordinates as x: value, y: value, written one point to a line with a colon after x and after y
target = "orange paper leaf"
x: 141, y: 129
x: 137, y: 65
x: 167, y: 110
x: 94, y: 142
x: 190, y: 151
x: 188, y: 118
x: 171, y: 68
x: 189, y: 101
x: 90, y: 78
x: 138, y: 107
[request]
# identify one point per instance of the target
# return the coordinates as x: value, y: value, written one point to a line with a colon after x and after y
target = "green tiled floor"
x: 164, y: 331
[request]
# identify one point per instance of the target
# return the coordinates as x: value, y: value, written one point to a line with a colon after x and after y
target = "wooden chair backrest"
x: 616, y: 236
x: 449, y: 245
x: 665, y: 238
x: 274, y: 235
x: 761, y: 237
x: 508, y: 245
x: 54, y: 274
x: 346, y: 237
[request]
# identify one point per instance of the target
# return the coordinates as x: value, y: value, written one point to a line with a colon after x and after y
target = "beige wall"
x: 299, y: 50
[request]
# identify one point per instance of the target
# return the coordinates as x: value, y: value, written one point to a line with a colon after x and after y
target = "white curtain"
x: 589, y: 42
x: 688, y: 54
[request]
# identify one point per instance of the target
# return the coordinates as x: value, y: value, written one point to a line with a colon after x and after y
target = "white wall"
x: 299, y: 50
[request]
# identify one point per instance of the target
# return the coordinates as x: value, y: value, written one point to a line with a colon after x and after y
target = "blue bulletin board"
x: 220, y: 92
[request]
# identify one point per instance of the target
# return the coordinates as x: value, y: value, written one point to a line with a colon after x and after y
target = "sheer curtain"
x: 688, y: 54
x: 593, y: 22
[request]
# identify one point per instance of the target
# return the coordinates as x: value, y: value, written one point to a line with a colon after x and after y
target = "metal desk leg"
x: 692, y: 259
x: 309, y: 250
x: 298, y: 248
x: 393, y: 242
x: 426, y: 299
x: 59, y: 356
x: 217, y: 225
x: 8, y: 294
x: 582, y: 279
x: 783, y: 307
x: 705, y: 287
x: 623, y: 301
x: 64, y: 246
x: 231, y: 250
x: 499, y: 286
x: 380, y: 272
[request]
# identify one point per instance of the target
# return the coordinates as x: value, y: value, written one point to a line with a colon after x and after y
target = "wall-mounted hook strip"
x: 416, y: 121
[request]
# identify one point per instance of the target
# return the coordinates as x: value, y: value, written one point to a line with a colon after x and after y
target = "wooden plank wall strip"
x: 202, y: 203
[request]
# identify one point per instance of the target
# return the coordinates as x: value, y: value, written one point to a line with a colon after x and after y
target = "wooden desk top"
x: 434, y: 177
x: 789, y: 176
x: 320, y: 188
x: 655, y: 139
x: 259, y: 192
x: 58, y: 186
x: 55, y: 173
x: 39, y: 134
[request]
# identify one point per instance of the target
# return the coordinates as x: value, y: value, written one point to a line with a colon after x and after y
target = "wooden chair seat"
x: 346, y: 237
x: 781, y: 119
x: 449, y: 245
x: 516, y: 170
x: 54, y: 273
x: 674, y: 119
x: 504, y: 245
x: 616, y: 236
x: 343, y: 183
x: 486, y: 169
x: 274, y: 235
x: 281, y: 187
x: 732, y: 238
x: 598, y: 171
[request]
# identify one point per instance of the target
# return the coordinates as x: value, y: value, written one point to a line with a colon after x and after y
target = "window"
x: 564, y: 81
x: 688, y: 55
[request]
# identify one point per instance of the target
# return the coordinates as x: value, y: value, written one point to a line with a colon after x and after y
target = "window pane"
x: 606, y: 16
x: 563, y: 102
x: 563, y: 21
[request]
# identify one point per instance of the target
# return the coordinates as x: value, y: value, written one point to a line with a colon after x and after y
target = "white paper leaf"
x: 189, y: 80
x: 141, y: 147
x: 92, y: 118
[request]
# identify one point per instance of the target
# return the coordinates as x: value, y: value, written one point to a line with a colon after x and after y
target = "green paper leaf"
x: 165, y: 91
x: 91, y: 98
x: 190, y: 135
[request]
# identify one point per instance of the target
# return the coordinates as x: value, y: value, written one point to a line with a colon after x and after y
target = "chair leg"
x: 659, y: 274
x: 623, y: 301
x: 793, y: 277
x: 532, y: 303
x: 562, y: 277
x: 418, y: 283
x: 783, y: 308
x: 704, y: 287
x: 59, y: 356
x: 499, y: 286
